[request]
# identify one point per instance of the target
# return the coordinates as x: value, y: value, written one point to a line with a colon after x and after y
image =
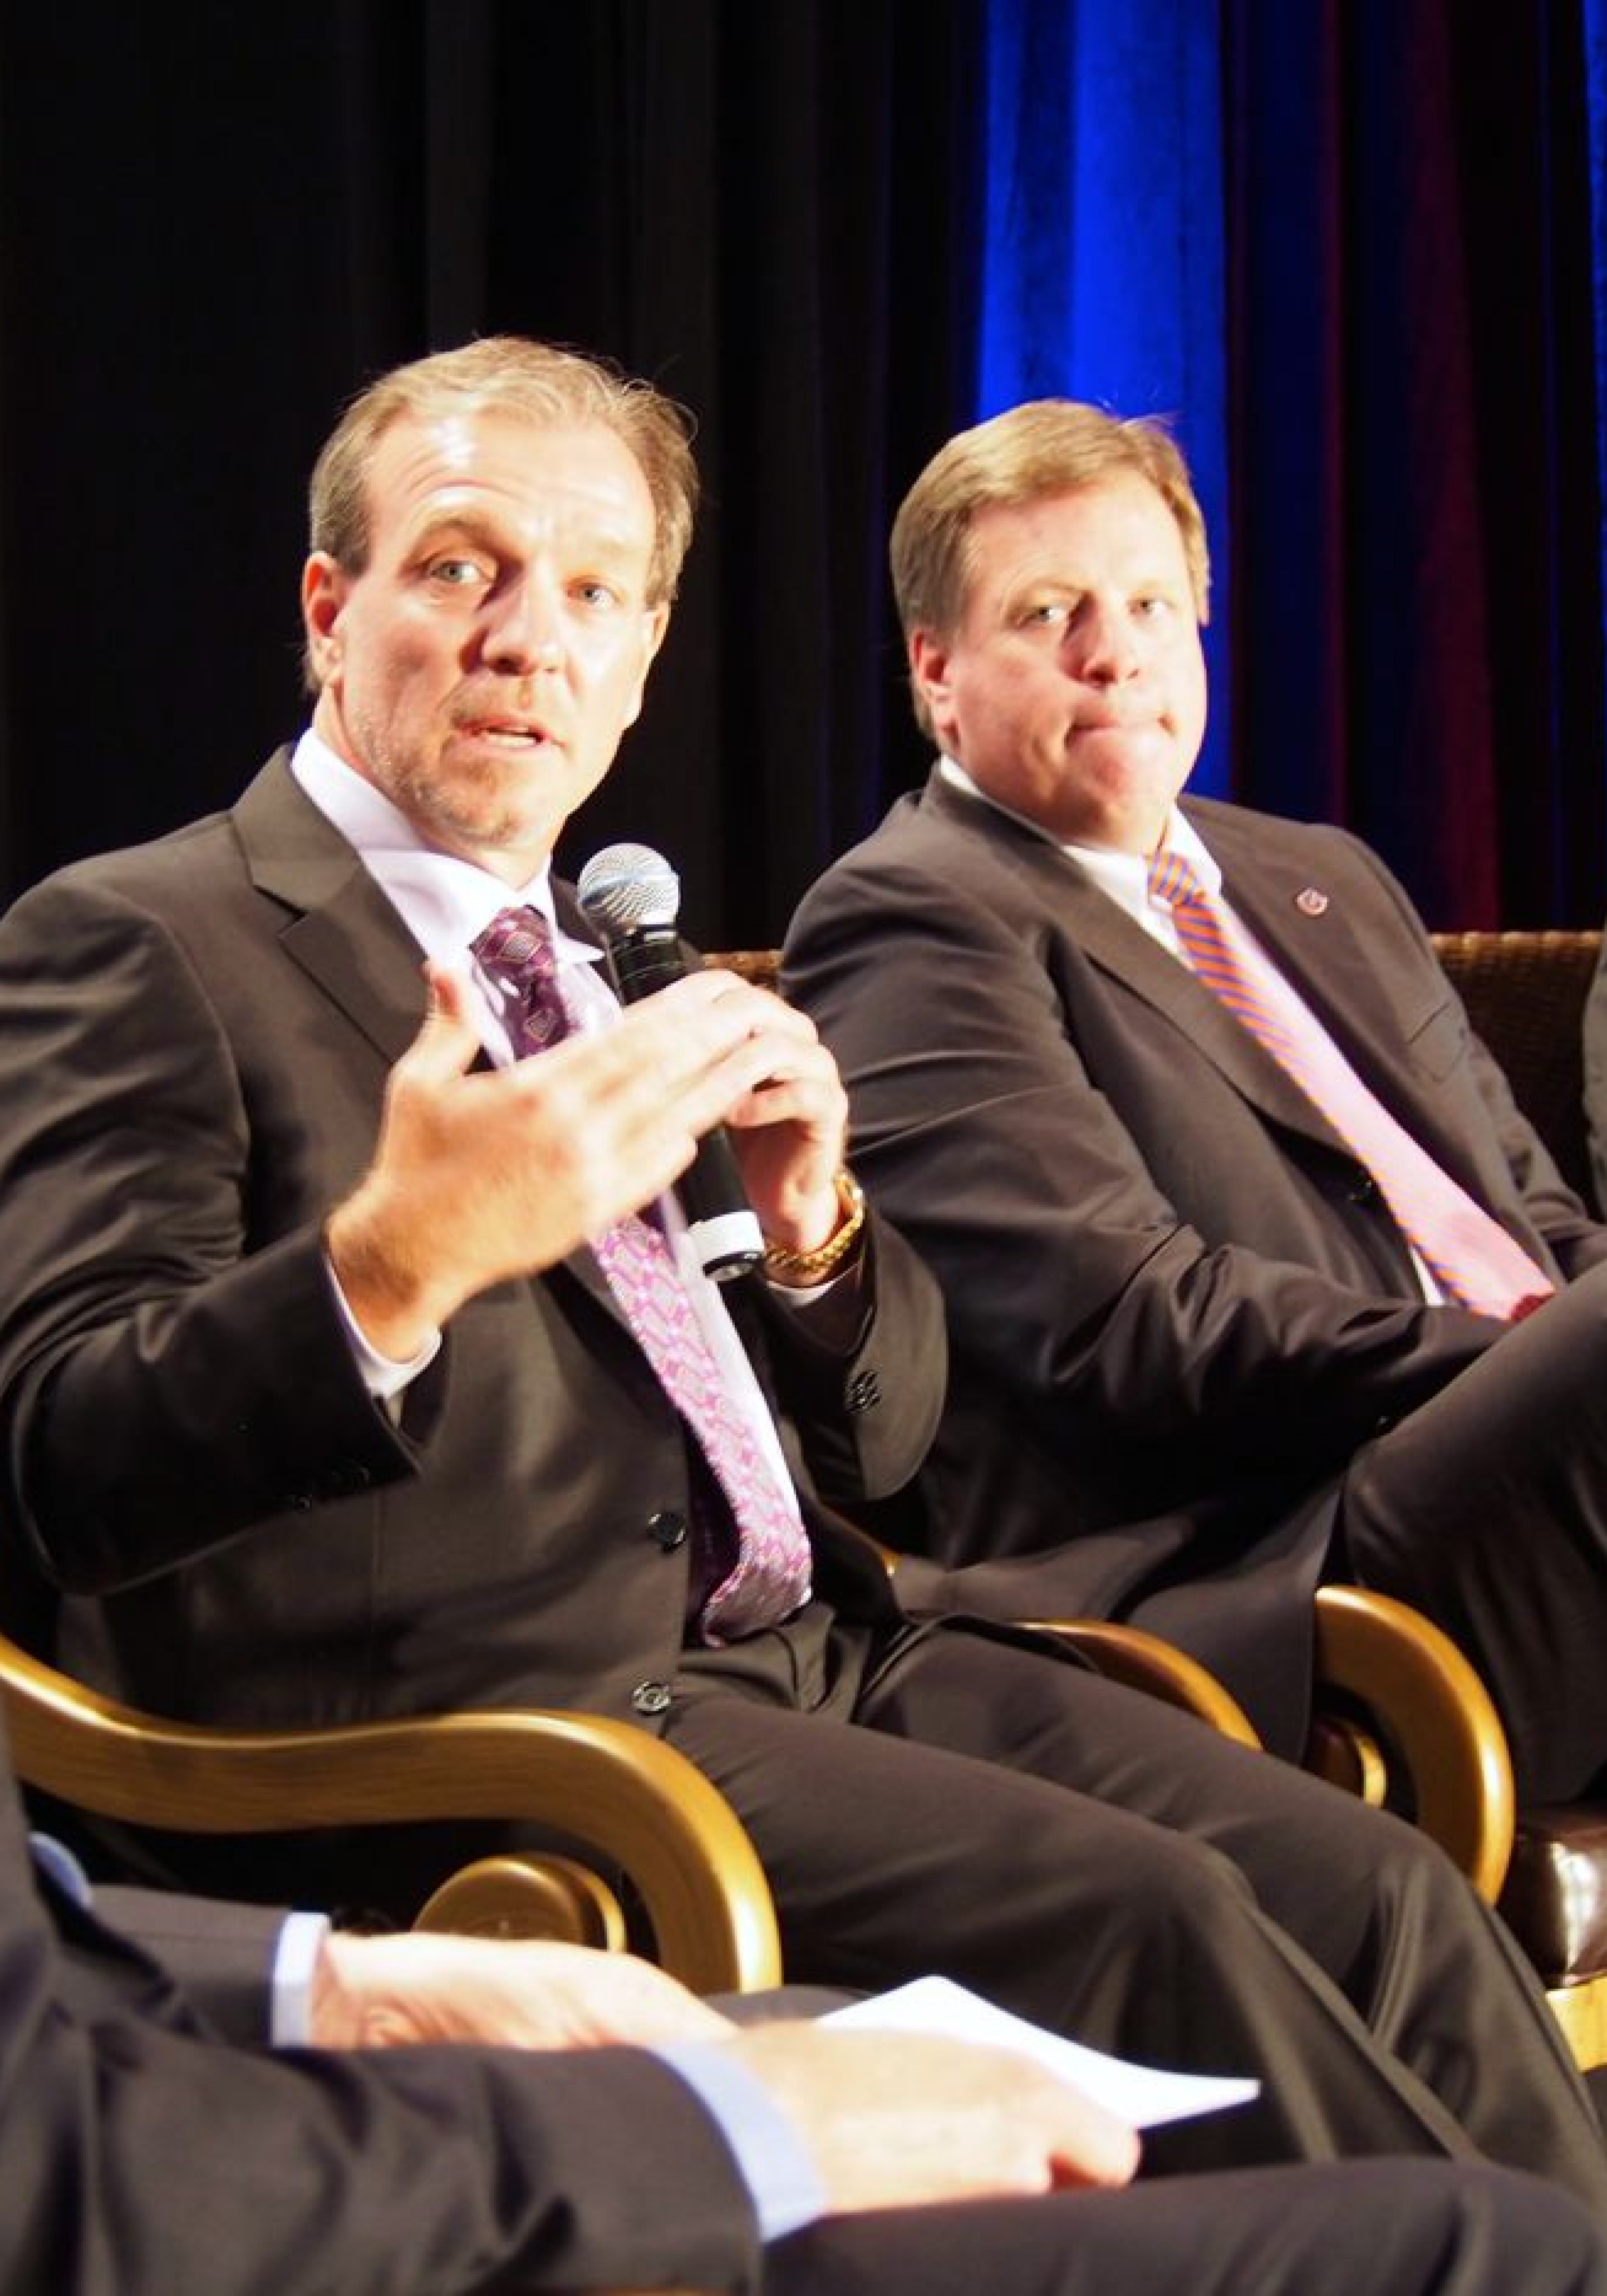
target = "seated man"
x: 1255, y: 1275
x: 339, y: 1377
x: 152, y: 2142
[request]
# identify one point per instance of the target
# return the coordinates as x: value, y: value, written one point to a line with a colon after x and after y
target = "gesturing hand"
x: 481, y: 1175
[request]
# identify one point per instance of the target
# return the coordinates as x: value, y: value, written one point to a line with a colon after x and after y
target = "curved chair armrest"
x: 1437, y: 1715
x: 1123, y: 1653
x: 1144, y: 1661
x: 633, y: 1798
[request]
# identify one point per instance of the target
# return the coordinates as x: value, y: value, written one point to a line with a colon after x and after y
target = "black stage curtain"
x: 1417, y: 607
x: 216, y: 222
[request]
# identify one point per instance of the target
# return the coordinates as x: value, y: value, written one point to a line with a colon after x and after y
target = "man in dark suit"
x: 1254, y: 1274
x: 330, y: 1385
x: 150, y: 2141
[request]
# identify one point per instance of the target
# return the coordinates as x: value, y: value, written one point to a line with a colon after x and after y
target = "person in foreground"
x: 150, y: 2140
x: 1255, y: 1273
x: 340, y: 1378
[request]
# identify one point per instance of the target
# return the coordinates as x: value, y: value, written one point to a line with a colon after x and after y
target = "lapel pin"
x: 1310, y: 901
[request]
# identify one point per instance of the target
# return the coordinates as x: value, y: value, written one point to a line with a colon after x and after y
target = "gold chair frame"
x: 638, y: 1804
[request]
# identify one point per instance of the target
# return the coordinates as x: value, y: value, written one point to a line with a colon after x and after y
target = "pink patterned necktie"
x: 1470, y: 1256
x: 770, y: 1576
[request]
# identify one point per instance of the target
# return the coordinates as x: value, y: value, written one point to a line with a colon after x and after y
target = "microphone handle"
x: 725, y: 1230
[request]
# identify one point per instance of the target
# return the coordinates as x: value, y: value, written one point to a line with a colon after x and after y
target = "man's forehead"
x: 433, y: 465
x: 1057, y: 524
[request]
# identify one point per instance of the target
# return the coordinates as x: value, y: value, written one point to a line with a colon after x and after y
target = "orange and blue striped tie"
x: 1470, y: 1256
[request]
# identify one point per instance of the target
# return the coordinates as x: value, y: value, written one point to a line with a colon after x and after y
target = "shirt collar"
x: 1124, y: 877
x: 446, y: 902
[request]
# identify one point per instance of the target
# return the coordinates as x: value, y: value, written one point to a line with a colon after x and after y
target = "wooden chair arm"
x: 1434, y: 1713
x: 1144, y: 1661
x: 1124, y: 1653
x: 636, y: 1801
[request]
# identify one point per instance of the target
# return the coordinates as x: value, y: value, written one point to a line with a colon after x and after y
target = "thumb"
x: 447, y: 1040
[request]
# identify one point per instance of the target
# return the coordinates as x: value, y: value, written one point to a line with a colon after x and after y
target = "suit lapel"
x: 341, y: 931
x: 1053, y: 884
x: 1336, y: 972
x: 344, y: 933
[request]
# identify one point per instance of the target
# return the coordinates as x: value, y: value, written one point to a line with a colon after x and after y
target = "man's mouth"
x: 505, y: 732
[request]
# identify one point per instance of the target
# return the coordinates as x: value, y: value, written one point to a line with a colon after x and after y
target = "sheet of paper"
x: 1139, y: 2095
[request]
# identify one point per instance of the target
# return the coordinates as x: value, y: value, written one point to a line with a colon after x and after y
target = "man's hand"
x: 888, y: 2118
x: 893, y: 2120
x: 381, y: 1992
x: 479, y: 1177
x: 790, y: 1131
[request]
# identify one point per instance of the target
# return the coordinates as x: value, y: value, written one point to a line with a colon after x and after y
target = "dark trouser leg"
x: 1486, y: 1509
x: 1229, y: 1944
x: 1391, y: 2228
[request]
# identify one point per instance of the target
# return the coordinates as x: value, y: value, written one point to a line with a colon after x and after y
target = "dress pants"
x: 1486, y: 1509
x: 1118, y: 1871
x: 1387, y: 2228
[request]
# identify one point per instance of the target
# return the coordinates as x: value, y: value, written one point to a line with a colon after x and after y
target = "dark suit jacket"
x: 143, y: 2155
x: 194, y: 1039
x: 1177, y: 1304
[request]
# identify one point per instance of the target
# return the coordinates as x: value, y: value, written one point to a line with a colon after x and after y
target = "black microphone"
x: 633, y: 897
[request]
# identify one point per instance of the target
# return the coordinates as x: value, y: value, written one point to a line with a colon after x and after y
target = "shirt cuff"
x: 295, y: 1958
x: 382, y: 1375
x: 56, y: 1859
x: 771, y: 2158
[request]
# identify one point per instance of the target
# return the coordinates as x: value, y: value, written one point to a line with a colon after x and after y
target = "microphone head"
x: 627, y: 887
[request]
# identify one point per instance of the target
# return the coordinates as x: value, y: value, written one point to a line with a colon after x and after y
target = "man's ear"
x: 928, y: 673
x: 324, y: 588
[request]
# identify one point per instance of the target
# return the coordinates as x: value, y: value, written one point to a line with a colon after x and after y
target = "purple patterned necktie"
x: 1470, y: 1256
x: 771, y: 1574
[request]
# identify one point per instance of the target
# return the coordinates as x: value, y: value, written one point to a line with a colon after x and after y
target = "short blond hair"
x: 539, y: 383
x: 1043, y: 446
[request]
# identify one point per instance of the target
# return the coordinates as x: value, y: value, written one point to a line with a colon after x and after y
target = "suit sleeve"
x: 172, y: 1366
x: 1576, y: 1239
x: 862, y: 1403
x: 1066, y: 1270
x: 138, y: 2158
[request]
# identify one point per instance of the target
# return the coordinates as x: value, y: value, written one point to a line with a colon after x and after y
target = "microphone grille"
x: 627, y: 886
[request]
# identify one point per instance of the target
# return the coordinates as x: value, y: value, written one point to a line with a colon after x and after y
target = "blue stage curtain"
x: 1101, y: 245
x: 1357, y: 249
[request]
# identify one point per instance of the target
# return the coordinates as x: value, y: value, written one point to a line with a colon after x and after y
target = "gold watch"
x: 800, y: 1267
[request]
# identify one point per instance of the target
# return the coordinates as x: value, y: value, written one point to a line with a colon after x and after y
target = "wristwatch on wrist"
x: 799, y: 1267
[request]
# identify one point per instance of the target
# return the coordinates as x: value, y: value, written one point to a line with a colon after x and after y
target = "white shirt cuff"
x: 772, y: 2161
x: 295, y: 1958
x: 382, y: 1375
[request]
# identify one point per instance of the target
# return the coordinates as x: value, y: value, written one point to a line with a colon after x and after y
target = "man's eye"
x: 600, y: 594
x: 1152, y: 610
x: 455, y: 573
x: 1047, y: 614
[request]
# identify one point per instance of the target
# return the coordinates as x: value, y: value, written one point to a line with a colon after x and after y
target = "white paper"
x: 1139, y: 2095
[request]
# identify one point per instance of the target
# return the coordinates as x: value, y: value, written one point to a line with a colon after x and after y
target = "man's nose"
x: 1103, y: 645
x: 525, y: 629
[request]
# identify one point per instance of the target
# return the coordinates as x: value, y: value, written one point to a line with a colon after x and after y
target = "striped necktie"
x: 770, y: 1576
x: 1470, y: 1256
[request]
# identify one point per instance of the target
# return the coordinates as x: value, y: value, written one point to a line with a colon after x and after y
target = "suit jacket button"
x: 668, y: 1528
x: 650, y: 1697
x: 862, y: 1392
x: 1364, y: 1191
x: 345, y: 1482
